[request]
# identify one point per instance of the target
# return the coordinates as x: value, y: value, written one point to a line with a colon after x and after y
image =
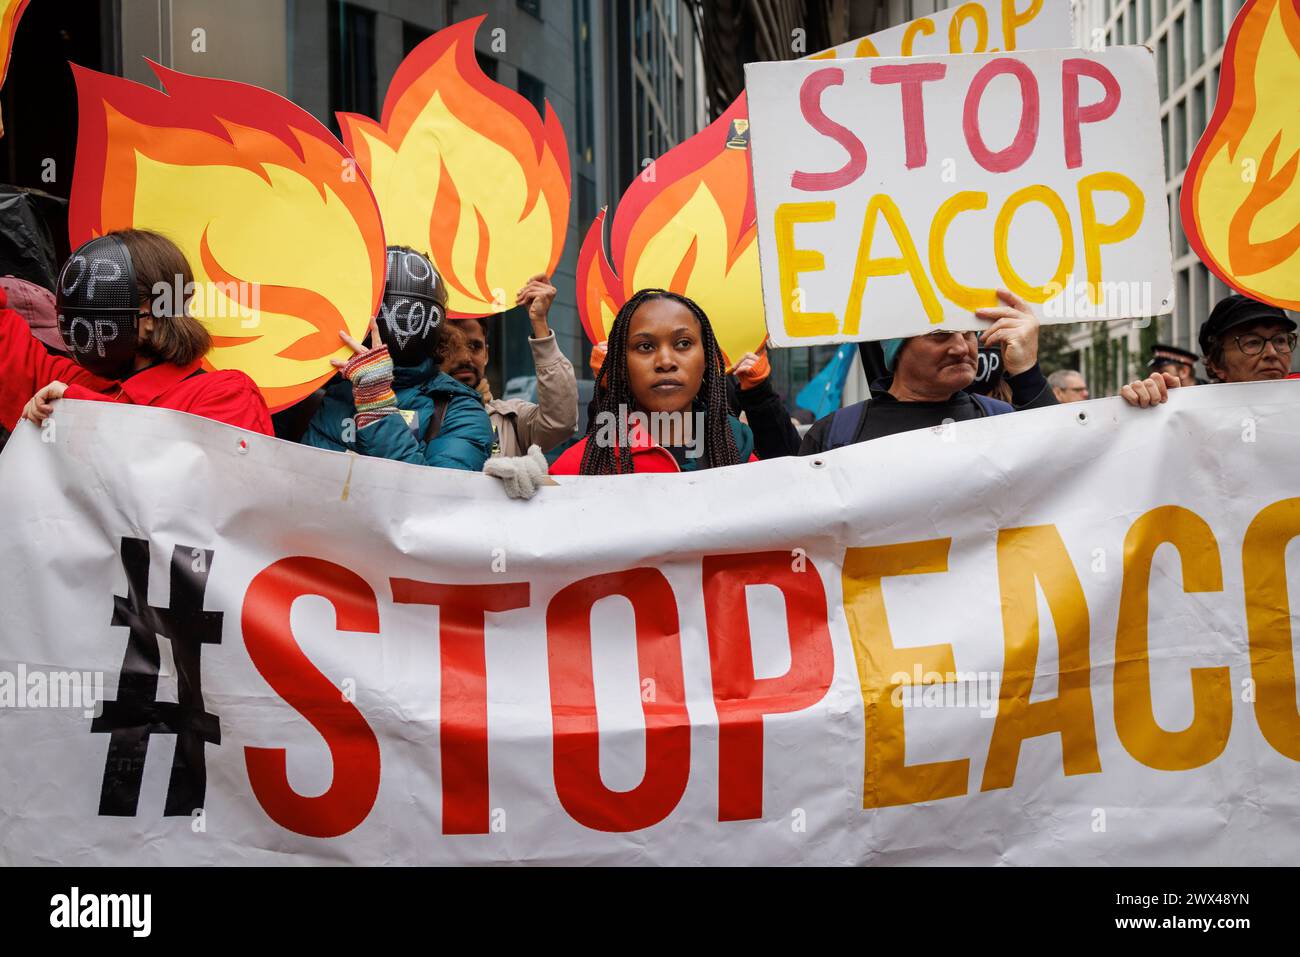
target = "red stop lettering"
x: 742, y: 699
x: 573, y: 702
x: 1026, y: 136
x: 910, y: 76
x: 810, y: 104
x: 462, y: 726
x: 277, y: 656
x: 1076, y: 115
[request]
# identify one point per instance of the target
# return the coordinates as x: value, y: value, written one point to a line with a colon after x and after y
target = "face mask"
x: 409, y: 315
x: 98, y: 307
x: 988, y: 371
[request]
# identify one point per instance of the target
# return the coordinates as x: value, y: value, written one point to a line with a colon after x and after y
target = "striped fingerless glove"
x: 371, y: 375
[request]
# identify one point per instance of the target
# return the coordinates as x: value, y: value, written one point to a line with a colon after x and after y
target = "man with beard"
x: 1245, y: 340
x: 517, y: 423
x: 931, y: 372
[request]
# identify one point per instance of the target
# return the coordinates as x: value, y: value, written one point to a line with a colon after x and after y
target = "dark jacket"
x: 464, y: 439
x: 769, y: 420
x: 885, y: 415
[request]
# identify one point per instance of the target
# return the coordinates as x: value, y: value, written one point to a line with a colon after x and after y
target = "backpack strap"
x: 991, y: 406
x: 440, y: 403
x: 845, y: 423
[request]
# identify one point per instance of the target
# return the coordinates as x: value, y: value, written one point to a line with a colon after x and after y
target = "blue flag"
x: 821, y: 396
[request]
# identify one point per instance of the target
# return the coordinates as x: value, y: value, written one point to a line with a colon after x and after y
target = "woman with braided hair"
x: 662, y: 402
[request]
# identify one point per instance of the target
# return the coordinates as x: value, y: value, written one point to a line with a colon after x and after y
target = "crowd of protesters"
x: 665, y: 400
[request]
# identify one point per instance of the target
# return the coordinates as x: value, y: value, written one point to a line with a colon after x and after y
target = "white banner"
x: 978, y: 26
x: 893, y: 196
x: 1060, y: 636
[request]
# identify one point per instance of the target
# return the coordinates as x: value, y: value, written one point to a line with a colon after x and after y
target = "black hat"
x: 1161, y: 354
x: 1233, y: 311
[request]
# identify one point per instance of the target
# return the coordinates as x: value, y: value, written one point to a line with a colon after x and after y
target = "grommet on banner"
x: 817, y: 463
x: 242, y: 447
x: 1082, y: 417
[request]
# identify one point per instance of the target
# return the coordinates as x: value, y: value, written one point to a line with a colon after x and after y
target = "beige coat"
x: 517, y: 424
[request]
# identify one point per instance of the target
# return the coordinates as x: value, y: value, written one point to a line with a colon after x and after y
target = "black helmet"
x: 98, y: 307
x: 410, y: 313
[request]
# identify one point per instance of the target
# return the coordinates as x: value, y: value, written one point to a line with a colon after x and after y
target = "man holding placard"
x: 931, y: 373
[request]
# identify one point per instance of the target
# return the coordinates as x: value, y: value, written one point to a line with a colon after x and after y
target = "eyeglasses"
x: 943, y: 334
x: 1283, y: 343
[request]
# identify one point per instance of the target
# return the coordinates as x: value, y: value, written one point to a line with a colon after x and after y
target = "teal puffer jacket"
x: 464, y: 440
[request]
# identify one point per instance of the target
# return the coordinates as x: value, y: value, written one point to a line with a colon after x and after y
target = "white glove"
x: 522, y: 474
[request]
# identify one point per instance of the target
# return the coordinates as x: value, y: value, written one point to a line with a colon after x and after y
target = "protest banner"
x: 979, y: 26
x: 687, y: 222
x: 948, y: 648
x: 1240, y: 201
x: 282, y: 234
x: 893, y: 197
x: 464, y: 169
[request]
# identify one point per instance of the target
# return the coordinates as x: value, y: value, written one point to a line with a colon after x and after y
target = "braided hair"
x: 614, y: 389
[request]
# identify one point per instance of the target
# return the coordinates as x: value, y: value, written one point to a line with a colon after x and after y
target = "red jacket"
x: 26, y: 367
x: 227, y: 396
x: 646, y: 455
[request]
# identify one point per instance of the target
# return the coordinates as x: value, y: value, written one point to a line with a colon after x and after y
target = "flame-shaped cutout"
x: 1241, y: 197
x: 254, y: 191
x: 11, y: 11
x: 464, y: 169
x: 687, y: 224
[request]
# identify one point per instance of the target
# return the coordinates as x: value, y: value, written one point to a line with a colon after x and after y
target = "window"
x: 1162, y: 67
x: 1196, y: 33
x: 1182, y: 310
x: 1180, y: 137
x: 1180, y: 238
x: 1164, y: 136
x: 412, y: 36
x: 586, y: 91
x: 353, y: 82
x: 1196, y: 119
x: 532, y: 90
x: 531, y: 6
x: 487, y: 64
x: 1178, y: 69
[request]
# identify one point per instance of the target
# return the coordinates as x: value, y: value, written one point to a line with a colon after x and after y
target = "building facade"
x: 1188, y: 39
x: 622, y: 76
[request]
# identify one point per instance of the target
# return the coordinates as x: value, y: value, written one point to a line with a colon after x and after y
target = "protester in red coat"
x: 662, y: 401
x: 132, y: 338
x: 26, y: 365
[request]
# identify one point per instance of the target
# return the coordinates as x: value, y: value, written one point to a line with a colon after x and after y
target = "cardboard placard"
x: 894, y: 196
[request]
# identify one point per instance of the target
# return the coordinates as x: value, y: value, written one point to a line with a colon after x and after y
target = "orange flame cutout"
x: 1241, y: 200
x: 254, y: 191
x: 687, y: 224
x: 11, y: 11
x: 466, y: 170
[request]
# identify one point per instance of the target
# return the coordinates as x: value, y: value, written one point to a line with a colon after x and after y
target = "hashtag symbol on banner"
x: 136, y: 714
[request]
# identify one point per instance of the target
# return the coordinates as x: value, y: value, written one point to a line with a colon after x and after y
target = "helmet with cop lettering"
x: 98, y: 307
x: 412, y: 309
